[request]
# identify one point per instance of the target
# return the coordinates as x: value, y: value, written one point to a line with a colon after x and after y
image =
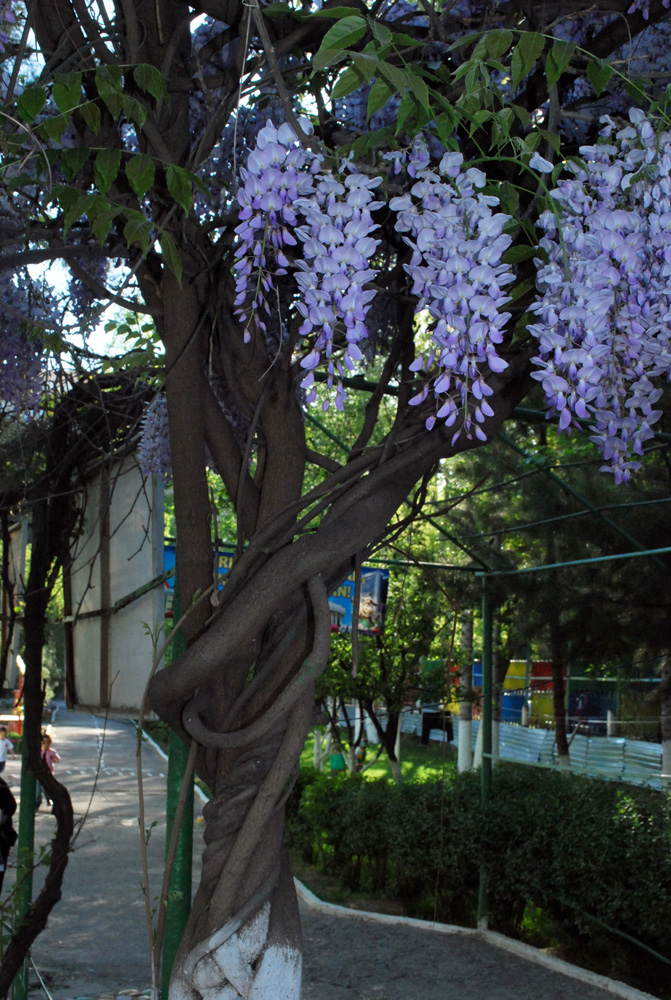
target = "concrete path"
x: 96, y: 941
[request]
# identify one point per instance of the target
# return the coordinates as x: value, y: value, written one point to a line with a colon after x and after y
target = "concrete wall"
x: 17, y: 570
x: 120, y: 550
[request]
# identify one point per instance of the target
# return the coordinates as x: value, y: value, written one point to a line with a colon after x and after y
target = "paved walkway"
x: 96, y: 941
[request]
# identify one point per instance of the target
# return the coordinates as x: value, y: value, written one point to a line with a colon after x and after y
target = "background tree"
x: 388, y: 673
x: 534, y: 497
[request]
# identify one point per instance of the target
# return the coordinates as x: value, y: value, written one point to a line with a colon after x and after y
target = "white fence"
x: 635, y: 761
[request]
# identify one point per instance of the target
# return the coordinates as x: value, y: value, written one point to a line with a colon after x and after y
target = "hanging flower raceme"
x: 457, y: 242
x: 278, y: 172
x: 297, y: 214
x: 154, y: 449
x: 604, y: 326
x: 334, y: 270
x: 22, y: 374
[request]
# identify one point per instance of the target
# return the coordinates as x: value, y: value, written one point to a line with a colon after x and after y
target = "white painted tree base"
x: 231, y: 966
x: 465, y: 752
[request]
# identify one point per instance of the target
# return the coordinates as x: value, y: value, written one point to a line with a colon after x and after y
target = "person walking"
x: 7, y: 832
x: 49, y: 756
x: 6, y: 746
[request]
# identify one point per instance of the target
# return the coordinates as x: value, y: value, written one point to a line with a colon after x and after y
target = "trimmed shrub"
x: 583, y: 861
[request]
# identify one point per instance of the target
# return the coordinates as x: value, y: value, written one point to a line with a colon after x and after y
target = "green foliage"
x: 578, y: 857
x: 417, y: 624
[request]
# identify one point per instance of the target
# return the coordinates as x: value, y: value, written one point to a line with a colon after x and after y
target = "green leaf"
x: 514, y: 255
x: 517, y: 291
x: 72, y: 160
x: 30, y: 103
x: 341, y: 36
x: 381, y: 32
x: 599, y: 74
x: 332, y: 12
x: 445, y: 125
x: 109, y: 80
x: 464, y: 40
x: 54, y: 128
x: 396, y: 77
x: 493, y: 44
x: 400, y: 38
x: 420, y: 90
x: 526, y: 52
x: 465, y: 68
x: 180, y: 186
x: 149, y: 79
x: 101, y: 214
x: 479, y: 118
x: 498, y: 42
x: 171, y: 256
x: 557, y: 60
x: 522, y: 114
x: 67, y: 91
x: 90, y: 112
x: 278, y: 10
x: 140, y: 172
x: 379, y: 94
x: 348, y: 81
x: 380, y: 137
x: 133, y: 110
x: 366, y: 63
x: 532, y: 141
x: 65, y: 195
x: 406, y: 111
x: 76, y: 210
x: 552, y: 138
x: 509, y: 197
x: 138, y: 230
x: 106, y: 168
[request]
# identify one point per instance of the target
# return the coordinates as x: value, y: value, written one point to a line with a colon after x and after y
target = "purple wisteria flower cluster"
x: 334, y: 270
x: 457, y: 242
x: 25, y: 308
x: 153, y: 452
x: 7, y: 18
x: 279, y: 171
x: 21, y: 370
x: 644, y: 7
x: 604, y: 326
x: 287, y: 196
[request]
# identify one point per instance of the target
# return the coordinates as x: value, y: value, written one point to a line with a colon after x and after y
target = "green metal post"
x: 178, y: 905
x: 25, y: 851
x: 486, y: 723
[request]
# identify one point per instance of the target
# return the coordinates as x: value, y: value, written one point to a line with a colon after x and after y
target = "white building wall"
x: 116, y: 555
x: 17, y: 573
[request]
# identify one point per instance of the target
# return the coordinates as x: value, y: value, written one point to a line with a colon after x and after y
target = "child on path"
x: 49, y: 756
x: 6, y: 746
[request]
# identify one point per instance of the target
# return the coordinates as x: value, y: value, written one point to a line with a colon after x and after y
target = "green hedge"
x: 574, y: 861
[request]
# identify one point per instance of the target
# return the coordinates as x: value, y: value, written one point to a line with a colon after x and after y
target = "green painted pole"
x: 486, y: 723
x: 178, y: 905
x: 25, y: 852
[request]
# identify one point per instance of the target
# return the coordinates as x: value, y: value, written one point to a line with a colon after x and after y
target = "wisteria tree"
x: 465, y: 198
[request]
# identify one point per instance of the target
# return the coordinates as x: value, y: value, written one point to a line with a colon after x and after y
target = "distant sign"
x: 372, y: 607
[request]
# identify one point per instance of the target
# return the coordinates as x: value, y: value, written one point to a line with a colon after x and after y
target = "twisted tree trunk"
x: 244, y: 691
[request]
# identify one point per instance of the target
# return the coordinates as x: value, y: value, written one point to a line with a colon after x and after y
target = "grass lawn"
x: 418, y: 763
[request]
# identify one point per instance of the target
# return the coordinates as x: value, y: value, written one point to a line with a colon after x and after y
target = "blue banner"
x: 372, y: 606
